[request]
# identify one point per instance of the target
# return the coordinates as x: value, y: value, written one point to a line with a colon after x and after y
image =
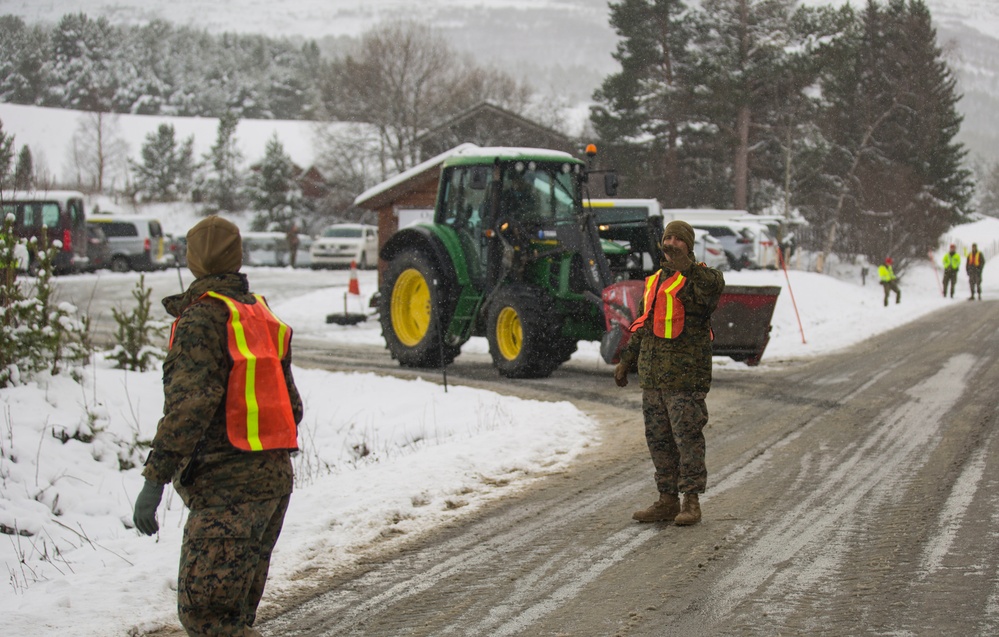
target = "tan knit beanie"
x: 682, y: 231
x: 214, y: 247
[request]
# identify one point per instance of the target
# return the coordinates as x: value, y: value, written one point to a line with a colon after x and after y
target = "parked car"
x: 271, y: 249
x: 176, y: 247
x: 746, y: 244
x: 344, y: 243
x: 709, y: 250
x: 56, y: 214
x: 98, y: 248
x: 136, y: 241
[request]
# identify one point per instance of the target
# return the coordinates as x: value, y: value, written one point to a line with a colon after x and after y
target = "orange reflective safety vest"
x: 975, y: 259
x: 258, y: 408
x: 668, y: 313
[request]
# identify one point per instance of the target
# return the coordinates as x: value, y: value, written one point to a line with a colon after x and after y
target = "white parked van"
x: 136, y: 241
x: 345, y: 243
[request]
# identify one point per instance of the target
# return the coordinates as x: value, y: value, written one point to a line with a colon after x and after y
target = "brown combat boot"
x: 663, y: 510
x: 691, y: 511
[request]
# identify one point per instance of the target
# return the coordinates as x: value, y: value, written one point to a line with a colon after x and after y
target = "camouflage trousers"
x: 975, y: 280
x: 674, y: 423
x: 223, y: 565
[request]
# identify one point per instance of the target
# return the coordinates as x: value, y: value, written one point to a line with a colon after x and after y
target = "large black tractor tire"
x: 522, y: 331
x: 562, y: 349
x: 413, y: 310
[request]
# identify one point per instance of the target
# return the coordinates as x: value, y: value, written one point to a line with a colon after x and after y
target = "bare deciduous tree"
x: 406, y: 79
x: 97, y: 151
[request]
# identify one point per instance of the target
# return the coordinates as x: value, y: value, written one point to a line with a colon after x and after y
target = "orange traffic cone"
x: 353, y: 287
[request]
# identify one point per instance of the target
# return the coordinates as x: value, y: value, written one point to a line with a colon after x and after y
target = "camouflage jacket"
x: 682, y: 363
x: 192, y: 433
x: 975, y: 268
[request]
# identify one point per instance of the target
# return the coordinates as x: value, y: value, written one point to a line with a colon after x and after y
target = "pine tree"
x: 989, y: 186
x: 83, y: 64
x: 165, y: 171
x: 273, y: 190
x: 24, y: 170
x: 222, y: 185
x: 6, y: 157
x: 699, y: 88
x: 929, y: 152
x: 901, y: 183
x: 755, y: 58
x: 642, y: 109
x: 22, y: 59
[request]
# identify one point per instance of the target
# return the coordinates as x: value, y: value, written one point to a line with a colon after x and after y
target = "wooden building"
x: 486, y: 124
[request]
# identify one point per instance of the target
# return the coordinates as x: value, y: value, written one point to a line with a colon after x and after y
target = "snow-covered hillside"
x: 562, y: 45
x: 49, y: 133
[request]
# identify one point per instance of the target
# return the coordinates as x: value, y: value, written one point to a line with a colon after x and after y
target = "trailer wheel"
x: 411, y: 312
x: 520, y: 333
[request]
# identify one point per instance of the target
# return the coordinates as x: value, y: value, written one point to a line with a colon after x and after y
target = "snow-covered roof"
x: 405, y: 175
x: 38, y: 195
x: 467, y: 150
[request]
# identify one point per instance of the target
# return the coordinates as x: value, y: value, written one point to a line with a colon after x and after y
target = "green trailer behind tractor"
x: 513, y: 255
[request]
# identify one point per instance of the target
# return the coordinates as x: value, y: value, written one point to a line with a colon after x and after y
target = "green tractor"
x: 514, y: 255
x: 511, y: 255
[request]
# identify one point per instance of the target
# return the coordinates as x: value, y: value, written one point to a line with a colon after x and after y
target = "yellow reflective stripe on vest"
x: 282, y: 330
x: 667, y: 315
x: 670, y: 310
x: 250, y: 393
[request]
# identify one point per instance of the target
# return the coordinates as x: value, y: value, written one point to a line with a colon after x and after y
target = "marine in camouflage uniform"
x: 675, y: 376
x: 974, y: 264
x: 237, y: 499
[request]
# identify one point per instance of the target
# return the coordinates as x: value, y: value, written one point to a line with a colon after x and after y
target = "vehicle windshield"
x: 540, y: 193
x: 339, y: 232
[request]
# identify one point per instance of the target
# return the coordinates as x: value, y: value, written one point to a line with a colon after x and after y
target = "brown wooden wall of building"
x: 422, y: 197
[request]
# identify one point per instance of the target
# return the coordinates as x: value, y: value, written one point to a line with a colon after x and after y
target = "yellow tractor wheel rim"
x: 410, y: 307
x: 509, y: 334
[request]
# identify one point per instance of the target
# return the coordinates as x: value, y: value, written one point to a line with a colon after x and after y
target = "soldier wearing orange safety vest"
x: 975, y: 262
x: 230, y: 417
x: 671, y: 344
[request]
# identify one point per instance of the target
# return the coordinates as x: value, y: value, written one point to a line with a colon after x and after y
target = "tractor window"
x: 464, y: 203
x: 558, y: 189
x: 539, y: 195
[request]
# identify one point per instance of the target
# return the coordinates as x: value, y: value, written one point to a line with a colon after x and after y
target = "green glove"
x: 146, y: 504
x: 677, y: 258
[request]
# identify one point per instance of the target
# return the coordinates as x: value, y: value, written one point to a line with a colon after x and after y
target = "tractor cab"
x: 516, y: 215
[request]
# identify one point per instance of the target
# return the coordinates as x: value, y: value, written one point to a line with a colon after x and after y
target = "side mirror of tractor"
x: 610, y: 184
